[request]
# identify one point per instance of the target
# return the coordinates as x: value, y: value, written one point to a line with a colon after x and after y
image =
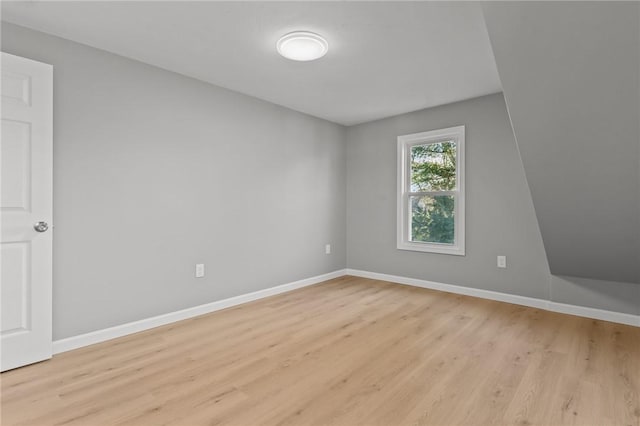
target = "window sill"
x: 432, y: 248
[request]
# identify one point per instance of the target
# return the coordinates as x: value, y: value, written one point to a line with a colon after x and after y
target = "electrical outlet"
x: 199, y: 270
x: 502, y: 262
x: 327, y: 249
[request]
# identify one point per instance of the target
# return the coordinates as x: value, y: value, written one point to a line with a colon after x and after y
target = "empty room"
x: 320, y: 213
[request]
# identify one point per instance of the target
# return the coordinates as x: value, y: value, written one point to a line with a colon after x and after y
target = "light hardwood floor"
x: 350, y: 351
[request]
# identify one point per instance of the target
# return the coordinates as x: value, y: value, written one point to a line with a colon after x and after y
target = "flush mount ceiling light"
x: 302, y: 46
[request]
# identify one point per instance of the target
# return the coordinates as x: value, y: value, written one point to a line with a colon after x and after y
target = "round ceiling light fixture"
x: 302, y: 46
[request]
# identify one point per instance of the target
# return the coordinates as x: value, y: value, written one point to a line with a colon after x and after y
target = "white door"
x: 25, y: 200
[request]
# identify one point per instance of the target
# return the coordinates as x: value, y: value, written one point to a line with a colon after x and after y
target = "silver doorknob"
x: 41, y: 226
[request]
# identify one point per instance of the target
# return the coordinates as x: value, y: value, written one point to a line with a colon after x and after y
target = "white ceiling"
x: 385, y: 58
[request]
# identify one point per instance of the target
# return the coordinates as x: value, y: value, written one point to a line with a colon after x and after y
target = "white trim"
x: 595, y: 313
x: 548, y: 305
x: 405, y: 142
x: 98, y: 336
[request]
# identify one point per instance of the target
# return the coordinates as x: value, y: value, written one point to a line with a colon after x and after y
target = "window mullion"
x: 431, y: 193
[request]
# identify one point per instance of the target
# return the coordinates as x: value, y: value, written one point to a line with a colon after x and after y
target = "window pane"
x: 432, y: 219
x: 433, y: 167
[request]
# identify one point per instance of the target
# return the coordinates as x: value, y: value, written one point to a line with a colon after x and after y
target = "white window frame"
x: 405, y: 142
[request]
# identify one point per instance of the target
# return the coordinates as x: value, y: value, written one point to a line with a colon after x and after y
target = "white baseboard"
x: 98, y: 336
x: 533, y: 302
x: 595, y: 313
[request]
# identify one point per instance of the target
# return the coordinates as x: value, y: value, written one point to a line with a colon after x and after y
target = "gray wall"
x: 499, y: 219
x: 500, y: 216
x: 154, y: 172
x: 607, y: 295
x: 571, y: 79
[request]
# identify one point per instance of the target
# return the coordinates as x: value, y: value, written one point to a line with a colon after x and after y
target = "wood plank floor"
x: 350, y: 351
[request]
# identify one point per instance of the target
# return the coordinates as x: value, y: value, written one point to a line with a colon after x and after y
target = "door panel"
x: 16, y: 287
x: 16, y: 153
x: 25, y: 198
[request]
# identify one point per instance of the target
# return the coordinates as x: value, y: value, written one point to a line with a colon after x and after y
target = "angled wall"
x: 499, y: 214
x: 570, y: 74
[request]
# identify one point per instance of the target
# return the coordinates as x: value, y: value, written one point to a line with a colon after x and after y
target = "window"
x: 431, y: 191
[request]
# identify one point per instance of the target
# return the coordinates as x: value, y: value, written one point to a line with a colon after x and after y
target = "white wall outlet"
x: 502, y: 261
x: 327, y: 249
x: 199, y: 270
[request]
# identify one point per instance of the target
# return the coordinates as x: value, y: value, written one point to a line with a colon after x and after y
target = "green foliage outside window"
x: 433, y: 169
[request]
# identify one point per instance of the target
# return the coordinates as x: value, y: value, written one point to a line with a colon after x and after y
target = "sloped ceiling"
x: 384, y: 58
x: 570, y: 75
